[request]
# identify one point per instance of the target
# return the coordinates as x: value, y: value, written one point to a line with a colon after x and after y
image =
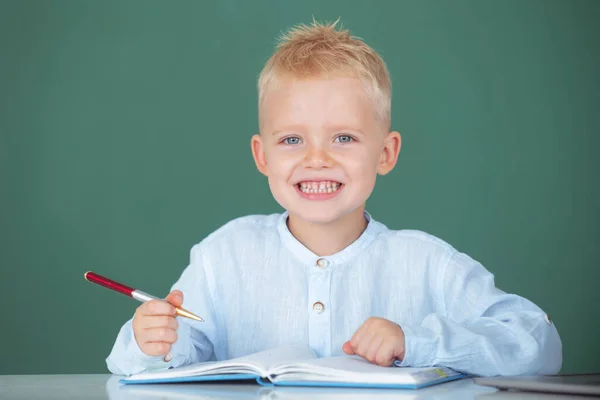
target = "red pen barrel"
x: 108, y: 283
x: 133, y: 293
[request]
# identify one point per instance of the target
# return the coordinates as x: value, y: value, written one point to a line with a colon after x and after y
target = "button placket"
x: 319, y: 317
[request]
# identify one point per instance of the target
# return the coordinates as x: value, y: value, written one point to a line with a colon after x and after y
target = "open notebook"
x: 299, y: 366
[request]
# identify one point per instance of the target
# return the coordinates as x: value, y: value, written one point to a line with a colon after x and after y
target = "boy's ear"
x: 259, y: 154
x: 389, y: 154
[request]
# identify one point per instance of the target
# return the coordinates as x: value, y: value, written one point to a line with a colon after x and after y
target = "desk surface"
x: 108, y: 387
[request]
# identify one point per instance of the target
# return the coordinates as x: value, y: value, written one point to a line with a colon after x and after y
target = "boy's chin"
x: 321, y: 217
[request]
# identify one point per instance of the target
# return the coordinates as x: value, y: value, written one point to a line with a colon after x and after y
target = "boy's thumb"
x: 175, y: 298
x: 347, y: 348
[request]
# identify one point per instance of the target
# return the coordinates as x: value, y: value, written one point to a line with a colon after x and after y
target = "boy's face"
x: 321, y: 147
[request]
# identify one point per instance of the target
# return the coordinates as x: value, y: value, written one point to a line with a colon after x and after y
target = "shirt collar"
x: 306, y: 256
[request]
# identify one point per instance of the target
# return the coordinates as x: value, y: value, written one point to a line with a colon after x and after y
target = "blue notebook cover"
x: 265, y: 381
x: 300, y: 367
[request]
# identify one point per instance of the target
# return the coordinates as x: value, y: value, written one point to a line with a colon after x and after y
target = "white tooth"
x: 329, y: 190
x: 322, y: 185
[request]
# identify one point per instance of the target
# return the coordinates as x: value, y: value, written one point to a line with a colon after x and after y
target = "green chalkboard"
x: 125, y: 130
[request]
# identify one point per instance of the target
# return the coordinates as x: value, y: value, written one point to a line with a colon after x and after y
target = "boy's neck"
x: 331, y: 238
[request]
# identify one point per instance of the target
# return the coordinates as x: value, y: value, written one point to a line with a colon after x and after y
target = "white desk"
x: 108, y: 387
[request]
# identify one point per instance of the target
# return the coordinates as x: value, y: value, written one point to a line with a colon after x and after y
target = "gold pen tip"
x: 182, y: 312
x: 195, y: 317
x: 85, y: 275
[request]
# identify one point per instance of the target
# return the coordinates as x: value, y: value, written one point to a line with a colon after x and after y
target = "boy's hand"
x: 155, y: 326
x: 378, y: 340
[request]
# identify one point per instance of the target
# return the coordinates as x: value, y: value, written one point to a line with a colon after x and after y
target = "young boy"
x: 325, y: 273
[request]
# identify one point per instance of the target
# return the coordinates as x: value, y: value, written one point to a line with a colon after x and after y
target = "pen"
x: 134, y: 293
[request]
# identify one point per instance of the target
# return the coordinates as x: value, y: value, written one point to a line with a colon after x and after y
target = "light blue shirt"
x: 257, y: 287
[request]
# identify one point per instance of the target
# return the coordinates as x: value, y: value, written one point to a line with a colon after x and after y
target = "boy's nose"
x: 317, y: 159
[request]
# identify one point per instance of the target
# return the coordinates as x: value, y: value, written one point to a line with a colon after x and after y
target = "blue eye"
x: 291, y: 140
x: 344, y: 139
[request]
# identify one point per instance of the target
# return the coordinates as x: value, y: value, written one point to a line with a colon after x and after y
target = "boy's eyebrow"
x: 289, y: 128
x: 277, y: 132
x: 344, y: 128
x: 299, y: 128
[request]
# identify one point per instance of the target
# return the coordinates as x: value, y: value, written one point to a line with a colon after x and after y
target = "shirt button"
x: 322, y: 263
x: 318, y: 307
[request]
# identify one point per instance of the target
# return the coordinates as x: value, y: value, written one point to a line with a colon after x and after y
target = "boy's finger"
x: 347, y: 348
x: 385, y: 354
x: 362, y: 347
x: 160, y: 335
x: 373, y: 348
x: 158, y: 321
x: 175, y: 298
x: 156, y: 348
x: 157, y: 307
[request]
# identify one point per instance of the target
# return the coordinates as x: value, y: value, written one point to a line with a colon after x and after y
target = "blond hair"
x: 320, y: 50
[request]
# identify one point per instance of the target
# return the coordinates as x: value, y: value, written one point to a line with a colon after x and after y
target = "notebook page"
x: 257, y: 363
x: 356, y: 369
x: 273, y: 358
x: 199, y: 369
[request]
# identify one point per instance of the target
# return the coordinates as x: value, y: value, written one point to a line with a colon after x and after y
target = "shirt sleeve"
x: 194, y: 339
x: 483, y: 330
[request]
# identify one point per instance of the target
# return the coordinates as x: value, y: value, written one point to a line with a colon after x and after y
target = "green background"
x: 125, y: 129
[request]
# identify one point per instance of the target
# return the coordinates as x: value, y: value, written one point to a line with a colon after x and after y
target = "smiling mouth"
x: 319, y: 187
